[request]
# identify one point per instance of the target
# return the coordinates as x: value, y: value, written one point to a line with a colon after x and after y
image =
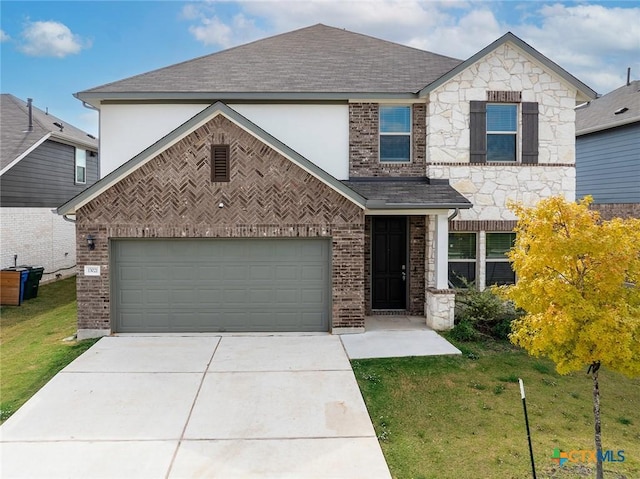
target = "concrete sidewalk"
x: 201, y: 406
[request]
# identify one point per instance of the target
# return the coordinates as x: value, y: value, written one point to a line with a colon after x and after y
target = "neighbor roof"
x: 600, y: 114
x: 16, y: 140
x: 313, y: 60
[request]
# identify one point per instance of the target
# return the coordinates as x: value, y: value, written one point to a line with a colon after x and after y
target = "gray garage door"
x: 193, y: 285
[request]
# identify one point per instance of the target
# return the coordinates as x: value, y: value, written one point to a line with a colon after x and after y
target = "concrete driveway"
x: 284, y: 406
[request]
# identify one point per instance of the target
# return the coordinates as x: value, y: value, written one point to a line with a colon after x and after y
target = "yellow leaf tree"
x: 579, y: 284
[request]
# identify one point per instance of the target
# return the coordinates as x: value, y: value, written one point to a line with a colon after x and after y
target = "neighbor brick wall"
x: 617, y: 210
x: 172, y: 196
x: 363, y: 143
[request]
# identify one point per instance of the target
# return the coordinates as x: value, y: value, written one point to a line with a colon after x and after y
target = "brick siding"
x: 364, y: 142
x: 617, y: 210
x: 172, y: 196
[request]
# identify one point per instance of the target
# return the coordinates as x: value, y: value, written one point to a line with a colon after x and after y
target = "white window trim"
x: 517, y: 133
x: 75, y: 163
x: 380, y: 133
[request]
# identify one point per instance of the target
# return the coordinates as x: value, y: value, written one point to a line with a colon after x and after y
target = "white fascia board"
x: 25, y: 153
x: 406, y: 212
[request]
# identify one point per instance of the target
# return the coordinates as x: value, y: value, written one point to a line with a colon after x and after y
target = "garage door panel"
x: 221, y: 285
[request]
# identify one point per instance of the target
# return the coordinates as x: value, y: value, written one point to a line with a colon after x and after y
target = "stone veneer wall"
x: 172, y: 196
x: 364, y: 143
x: 489, y: 186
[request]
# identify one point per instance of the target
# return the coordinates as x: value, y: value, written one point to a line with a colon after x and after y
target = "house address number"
x: 90, y: 270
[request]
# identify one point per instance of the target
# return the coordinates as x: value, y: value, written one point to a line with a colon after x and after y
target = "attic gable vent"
x: 220, y: 170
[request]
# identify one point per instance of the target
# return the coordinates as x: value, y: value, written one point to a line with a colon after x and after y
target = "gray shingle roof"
x: 14, y: 137
x: 315, y: 59
x: 600, y: 114
x: 407, y: 193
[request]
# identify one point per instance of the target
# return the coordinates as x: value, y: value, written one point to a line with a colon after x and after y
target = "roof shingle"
x: 315, y: 59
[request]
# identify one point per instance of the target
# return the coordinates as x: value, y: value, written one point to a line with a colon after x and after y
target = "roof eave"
x: 595, y: 129
x: 585, y: 93
x: 383, y: 205
x: 96, y: 98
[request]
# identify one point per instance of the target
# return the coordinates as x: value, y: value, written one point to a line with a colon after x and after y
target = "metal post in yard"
x: 526, y: 420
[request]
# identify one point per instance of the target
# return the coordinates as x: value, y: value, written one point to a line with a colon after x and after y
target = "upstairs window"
x: 81, y: 166
x: 502, y: 132
x: 395, y: 134
x: 494, y: 130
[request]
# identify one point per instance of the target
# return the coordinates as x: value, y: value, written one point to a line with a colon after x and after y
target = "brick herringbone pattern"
x: 267, y: 196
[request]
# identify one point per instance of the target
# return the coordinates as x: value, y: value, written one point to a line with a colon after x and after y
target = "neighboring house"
x: 608, y: 152
x: 44, y: 162
x: 303, y: 181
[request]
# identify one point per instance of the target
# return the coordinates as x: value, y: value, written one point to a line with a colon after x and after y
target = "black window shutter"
x: 530, y: 132
x: 478, y: 129
x: 220, y: 163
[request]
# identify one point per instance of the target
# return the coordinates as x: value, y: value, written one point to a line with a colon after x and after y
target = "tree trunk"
x: 596, y: 416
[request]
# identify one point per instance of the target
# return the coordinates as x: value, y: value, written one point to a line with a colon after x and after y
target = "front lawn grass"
x: 461, y: 417
x: 32, y: 341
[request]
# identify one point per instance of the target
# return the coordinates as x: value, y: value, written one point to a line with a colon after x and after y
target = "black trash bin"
x: 33, y: 281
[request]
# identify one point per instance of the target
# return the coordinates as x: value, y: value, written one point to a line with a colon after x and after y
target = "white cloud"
x: 4, y: 37
x: 211, y: 30
x: 593, y: 42
x: 50, y: 39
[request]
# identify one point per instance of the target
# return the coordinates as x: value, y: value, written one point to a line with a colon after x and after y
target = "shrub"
x: 483, y: 311
x: 464, y: 331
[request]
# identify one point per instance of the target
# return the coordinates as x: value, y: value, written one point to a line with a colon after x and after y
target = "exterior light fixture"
x: 91, y: 242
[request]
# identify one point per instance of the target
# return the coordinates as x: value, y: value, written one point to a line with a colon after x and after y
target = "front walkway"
x: 396, y: 336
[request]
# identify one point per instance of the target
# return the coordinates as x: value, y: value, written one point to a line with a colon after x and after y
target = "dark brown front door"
x: 389, y: 262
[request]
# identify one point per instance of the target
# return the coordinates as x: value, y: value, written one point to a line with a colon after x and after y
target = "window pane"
x: 81, y: 157
x: 461, y: 272
x: 499, y: 243
x: 500, y: 272
x: 502, y: 117
x: 80, y: 175
x: 501, y: 147
x: 395, y: 119
x: 462, y: 245
x: 395, y: 148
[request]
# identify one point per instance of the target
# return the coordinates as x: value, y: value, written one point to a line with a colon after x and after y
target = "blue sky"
x: 52, y: 49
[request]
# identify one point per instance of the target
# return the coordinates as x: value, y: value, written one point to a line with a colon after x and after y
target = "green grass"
x: 461, y: 417
x: 32, y: 338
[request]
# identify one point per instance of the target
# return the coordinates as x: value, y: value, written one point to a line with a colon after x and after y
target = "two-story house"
x: 303, y: 181
x: 44, y: 162
x: 608, y: 152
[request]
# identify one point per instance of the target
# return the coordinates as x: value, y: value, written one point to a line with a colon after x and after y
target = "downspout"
x: 454, y: 214
x: 68, y: 219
